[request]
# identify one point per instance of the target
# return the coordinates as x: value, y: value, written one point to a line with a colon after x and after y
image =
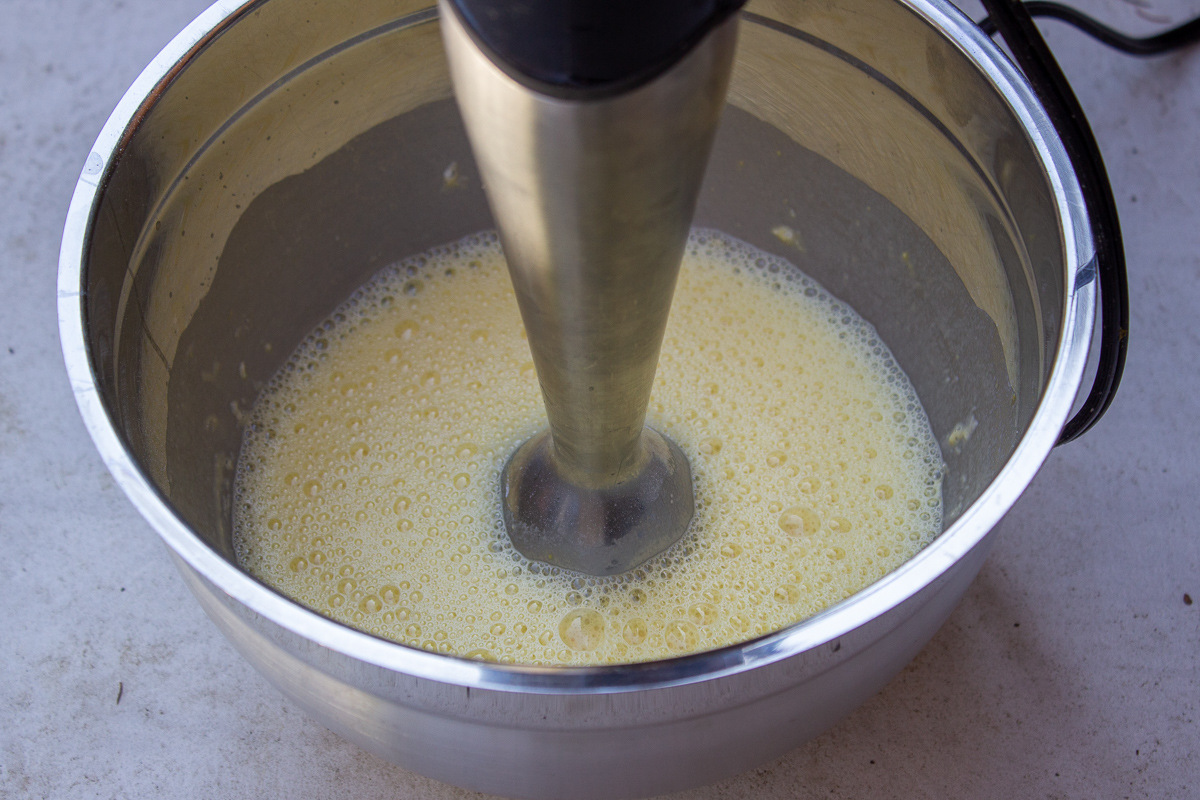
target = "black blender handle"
x: 1015, y: 24
x: 584, y: 49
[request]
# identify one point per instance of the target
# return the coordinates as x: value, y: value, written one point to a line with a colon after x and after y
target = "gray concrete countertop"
x: 1071, y: 669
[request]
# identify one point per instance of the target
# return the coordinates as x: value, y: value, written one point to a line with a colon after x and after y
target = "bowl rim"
x: 829, y: 625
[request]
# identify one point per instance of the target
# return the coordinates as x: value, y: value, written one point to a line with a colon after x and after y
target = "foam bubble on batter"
x: 368, y: 483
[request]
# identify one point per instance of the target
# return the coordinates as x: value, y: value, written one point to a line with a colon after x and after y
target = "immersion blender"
x: 591, y: 122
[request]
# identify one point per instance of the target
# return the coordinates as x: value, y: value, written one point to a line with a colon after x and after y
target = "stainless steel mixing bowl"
x: 278, y: 153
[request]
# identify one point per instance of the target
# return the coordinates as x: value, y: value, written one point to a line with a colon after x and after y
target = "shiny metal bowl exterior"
x: 273, y: 138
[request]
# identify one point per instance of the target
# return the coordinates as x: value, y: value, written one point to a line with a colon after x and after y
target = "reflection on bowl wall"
x: 278, y: 154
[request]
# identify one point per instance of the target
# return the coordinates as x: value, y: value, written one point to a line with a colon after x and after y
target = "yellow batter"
x: 367, y: 487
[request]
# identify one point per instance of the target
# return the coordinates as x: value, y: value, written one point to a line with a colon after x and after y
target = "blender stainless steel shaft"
x: 593, y: 187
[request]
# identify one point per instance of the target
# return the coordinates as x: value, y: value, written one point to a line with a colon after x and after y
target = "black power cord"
x: 1031, y: 53
x: 1172, y: 39
x: 1014, y: 21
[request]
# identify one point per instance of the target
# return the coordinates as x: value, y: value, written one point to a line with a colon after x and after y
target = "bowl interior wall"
x: 232, y: 226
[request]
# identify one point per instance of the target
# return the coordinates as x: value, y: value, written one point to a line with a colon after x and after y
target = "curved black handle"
x: 1032, y: 54
x: 589, y: 48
